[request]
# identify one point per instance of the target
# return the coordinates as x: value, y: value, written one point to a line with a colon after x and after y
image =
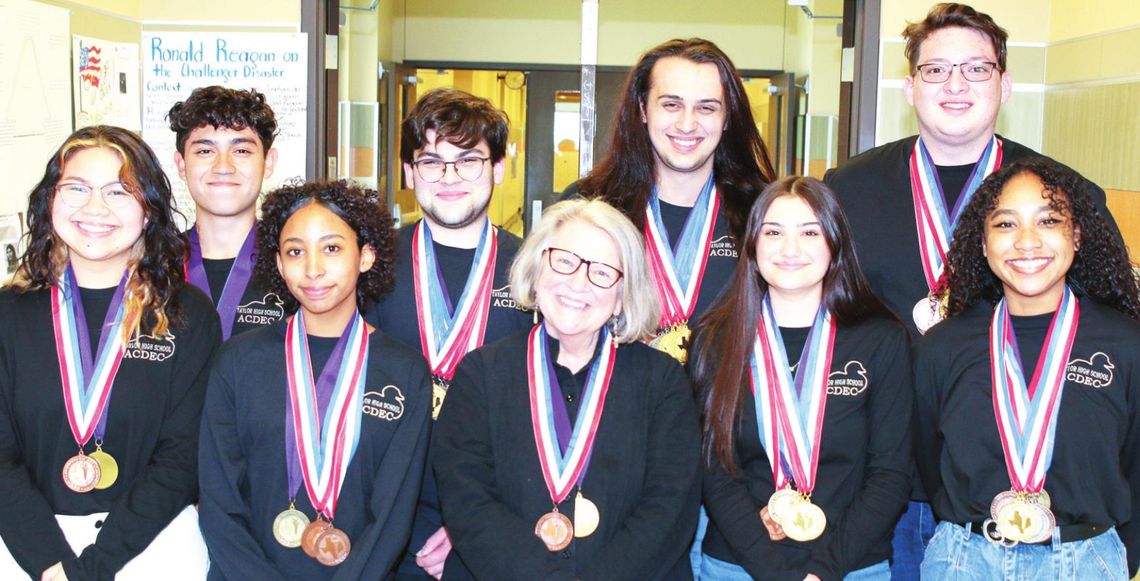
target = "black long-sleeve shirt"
x: 243, y: 471
x: 397, y: 316
x: 863, y: 477
x: 875, y: 192
x: 643, y: 475
x: 152, y: 432
x: 1095, y: 474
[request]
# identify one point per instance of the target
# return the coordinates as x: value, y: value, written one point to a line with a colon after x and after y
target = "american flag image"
x: 90, y: 64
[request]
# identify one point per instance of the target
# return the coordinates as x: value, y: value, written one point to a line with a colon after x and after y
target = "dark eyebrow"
x: 235, y: 140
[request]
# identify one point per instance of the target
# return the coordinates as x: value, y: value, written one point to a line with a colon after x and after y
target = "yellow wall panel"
x: 1094, y: 130
x: 1076, y: 18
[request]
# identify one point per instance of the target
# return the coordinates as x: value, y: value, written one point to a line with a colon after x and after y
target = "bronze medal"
x: 108, y: 468
x: 674, y: 341
x: 81, y: 473
x: 555, y: 530
x: 332, y: 546
x: 310, y: 534
x: 289, y: 527
x: 1003, y: 498
x: 586, y: 517
x: 805, y: 521
x: 438, y: 392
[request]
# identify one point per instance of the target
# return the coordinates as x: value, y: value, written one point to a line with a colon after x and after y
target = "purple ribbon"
x: 237, y: 281
x: 325, y: 385
x: 562, y: 424
x: 86, y: 361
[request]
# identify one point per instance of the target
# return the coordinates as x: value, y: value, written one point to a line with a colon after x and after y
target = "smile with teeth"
x: 571, y: 303
x: 1028, y: 265
x: 957, y: 106
x: 93, y: 229
x: 685, y: 142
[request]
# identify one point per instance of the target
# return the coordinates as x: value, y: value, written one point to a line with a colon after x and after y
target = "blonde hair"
x: 639, y: 312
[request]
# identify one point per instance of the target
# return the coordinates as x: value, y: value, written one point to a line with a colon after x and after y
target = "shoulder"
x: 252, y: 346
x: 1108, y: 321
x: 876, y: 330
x: 1012, y: 151
x: 955, y: 332
x: 398, y: 359
x: 655, y: 365
x: 871, y: 163
x: 195, y: 302
x: 508, y: 242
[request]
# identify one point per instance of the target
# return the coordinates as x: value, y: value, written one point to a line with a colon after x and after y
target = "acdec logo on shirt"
x: 1096, y: 371
x: 267, y: 311
x: 850, y: 382
x: 150, y: 348
x: 386, y: 404
x: 723, y: 246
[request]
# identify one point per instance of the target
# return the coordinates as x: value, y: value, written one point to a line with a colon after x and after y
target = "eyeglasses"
x: 467, y: 168
x: 973, y: 71
x: 77, y: 194
x: 599, y: 274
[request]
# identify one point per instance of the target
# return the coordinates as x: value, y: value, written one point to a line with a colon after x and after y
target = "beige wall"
x: 526, y: 31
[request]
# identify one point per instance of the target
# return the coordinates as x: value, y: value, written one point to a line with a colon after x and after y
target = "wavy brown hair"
x: 949, y: 14
x: 360, y: 208
x: 741, y: 165
x: 1100, y: 270
x: 156, y: 259
x: 726, y: 333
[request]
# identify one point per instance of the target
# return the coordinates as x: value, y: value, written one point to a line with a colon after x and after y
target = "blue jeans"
x: 957, y: 554
x: 912, y: 534
x: 717, y: 570
x: 695, y: 553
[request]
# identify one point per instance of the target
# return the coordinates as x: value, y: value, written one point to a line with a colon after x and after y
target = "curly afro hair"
x: 360, y: 208
x: 222, y: 107
x: 1100, y: 270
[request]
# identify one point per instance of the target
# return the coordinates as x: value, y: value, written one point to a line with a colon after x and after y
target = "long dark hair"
x: 741, y: 165
x: 360, y: 208
x: 157, y: 257
x: 1100, y: 270
x: 726, y: 334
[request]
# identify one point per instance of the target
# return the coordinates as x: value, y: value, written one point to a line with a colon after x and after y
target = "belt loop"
x: 967, y: 531
x: 1056, y: 538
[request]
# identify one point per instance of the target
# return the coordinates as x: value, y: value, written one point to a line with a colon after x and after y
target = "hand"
x: 431, y: 557
x: 54, y: 573
x: 811, y: 577
x: 775, y: 531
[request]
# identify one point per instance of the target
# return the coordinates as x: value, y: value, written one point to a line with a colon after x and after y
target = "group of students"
x: 690, y: 346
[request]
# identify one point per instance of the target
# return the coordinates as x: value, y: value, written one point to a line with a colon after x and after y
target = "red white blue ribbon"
x: 447, y: 334
x: 1026, y: 412
x: 935, y: 225
x: 563, y: 469
x: 86, y: 384
x: 790, y: 408
x: 679, y: 271
x: 325, y: 442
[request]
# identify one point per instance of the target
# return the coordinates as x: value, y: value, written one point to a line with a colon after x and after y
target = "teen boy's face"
x: 224, y: 169
x: 452, y: 201
x: 320, y: 261
x: 684, y: 114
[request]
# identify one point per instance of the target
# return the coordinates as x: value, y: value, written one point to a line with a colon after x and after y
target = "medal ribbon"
x: 791, y: 420
x: 936, y: 226
x: 446, y: 336
x: 240, y: 274
x: 563, y: 466
x: 87, y: 383
x: 678, y: 271
x: 1026, y: 413
x: 322, y: 424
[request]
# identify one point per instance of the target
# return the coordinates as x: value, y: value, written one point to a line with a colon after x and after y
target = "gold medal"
x: 586, y: 517
x: 780, y: 504
x: 332, y: 546
x: 108, y: 468
x: 555, y: 530
x: 674, y: 341
x: 1020, y: 520
x: 438, y: 392
x: 805, y: 521
x: 310, y: 534
x: 81, y: 473
x: 289, y: 527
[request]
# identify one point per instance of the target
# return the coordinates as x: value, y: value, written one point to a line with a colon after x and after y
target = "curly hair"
x: 156, y: 259
x: 358, y: 207
x: 222, y: 107
x: 1100, y: 270
x: 741, y: 164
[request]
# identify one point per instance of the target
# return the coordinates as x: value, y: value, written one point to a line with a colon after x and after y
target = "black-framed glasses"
x: 468, y: 168
x: 973, y: 71
x: 599, y: 274
x: 77, y: 194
